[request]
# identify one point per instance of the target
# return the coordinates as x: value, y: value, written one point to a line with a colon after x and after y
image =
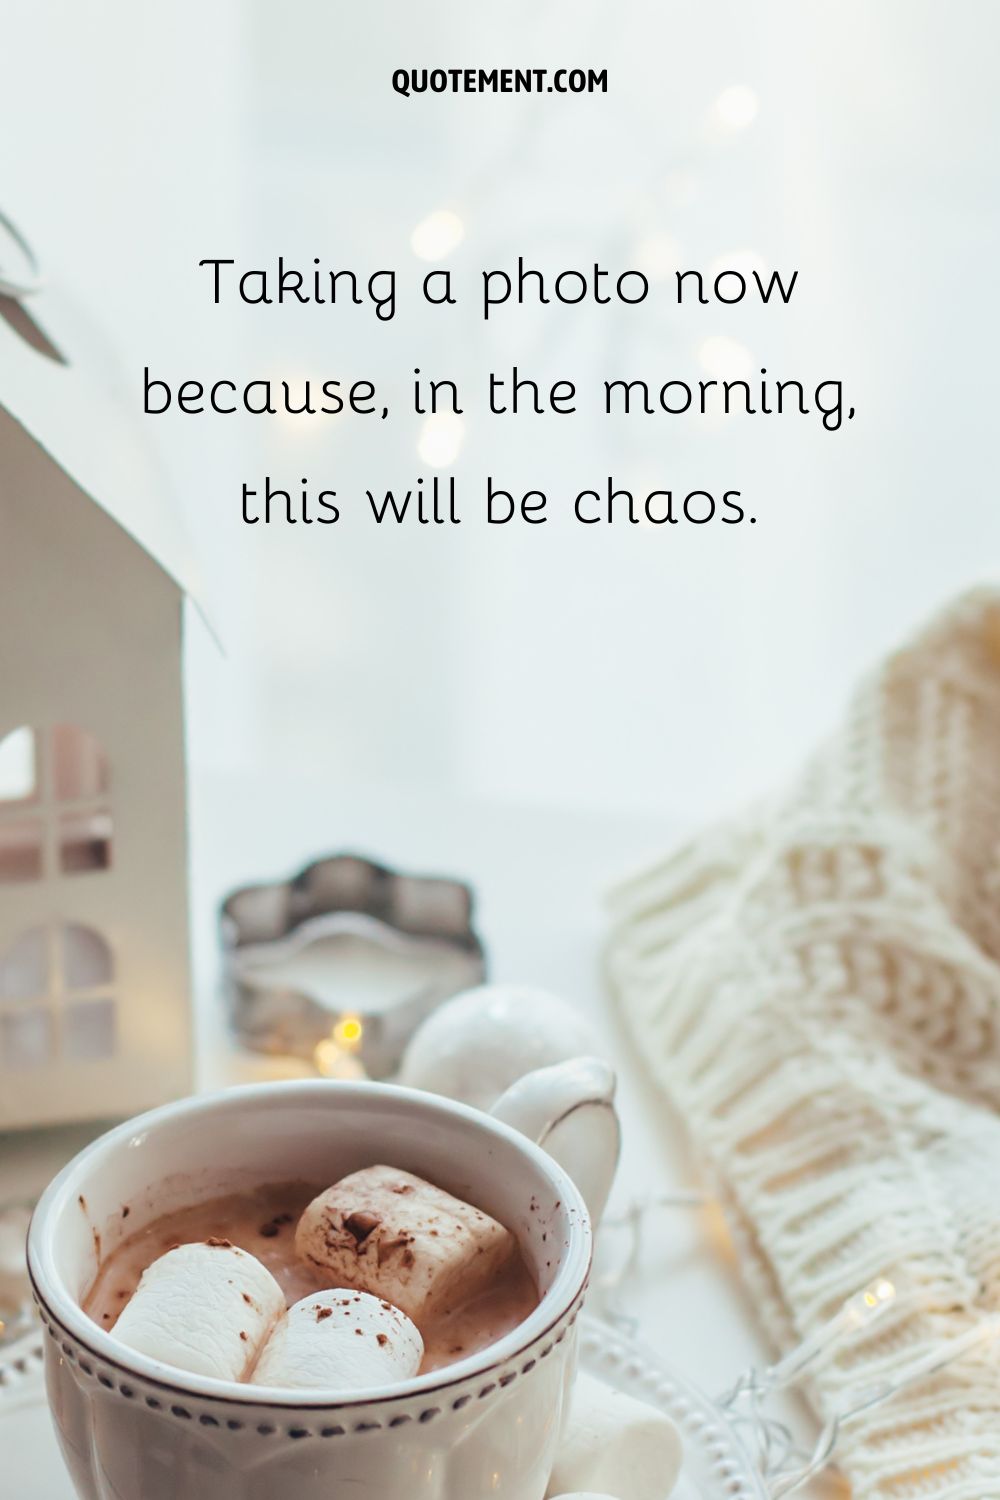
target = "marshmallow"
x: 401, y: 1239
x: 206, y: 1307
x: 616, y: 1444
x: 340, y: 1341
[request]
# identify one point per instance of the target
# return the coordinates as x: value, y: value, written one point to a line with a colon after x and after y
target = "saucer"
x: 716, y: 1465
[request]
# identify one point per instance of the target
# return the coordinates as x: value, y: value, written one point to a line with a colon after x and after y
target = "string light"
x: 798, y: 1471
x: 867, y: 1304
x: 778, y: 1458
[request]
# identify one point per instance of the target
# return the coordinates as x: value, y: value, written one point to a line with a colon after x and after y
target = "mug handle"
x: 569, y: 1109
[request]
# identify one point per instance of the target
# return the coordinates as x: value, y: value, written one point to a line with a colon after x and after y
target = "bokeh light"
x: 441, y: 439
x: 657, y: 255
x: 737, y: 106
x: 437, y: 235
x: 725, y: 358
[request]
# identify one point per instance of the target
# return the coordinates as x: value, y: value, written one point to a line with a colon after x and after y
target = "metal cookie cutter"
x: 347, y: 953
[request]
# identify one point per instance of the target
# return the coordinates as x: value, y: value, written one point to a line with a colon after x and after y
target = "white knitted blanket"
x: 818, y: 989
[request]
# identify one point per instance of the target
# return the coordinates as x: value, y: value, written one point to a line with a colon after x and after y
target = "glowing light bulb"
x: 737, y: 106
x: 725, y: 358
x: 437, y: 235
x: 867, y: 1305
x: 440, y: 439
x: 349, y: 1032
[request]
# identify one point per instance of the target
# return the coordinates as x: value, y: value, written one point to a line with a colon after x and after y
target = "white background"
x: 669, y: 670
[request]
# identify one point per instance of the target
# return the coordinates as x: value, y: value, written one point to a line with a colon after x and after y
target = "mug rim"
x: 65, y: 1310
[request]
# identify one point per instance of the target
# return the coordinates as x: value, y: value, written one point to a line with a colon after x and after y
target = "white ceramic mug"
x: 132, y: 1428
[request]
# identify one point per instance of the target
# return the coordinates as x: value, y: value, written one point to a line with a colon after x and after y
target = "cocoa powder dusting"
x: 241, y: 1221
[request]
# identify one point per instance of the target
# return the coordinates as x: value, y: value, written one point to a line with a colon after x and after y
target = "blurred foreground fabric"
x: 817, y: 988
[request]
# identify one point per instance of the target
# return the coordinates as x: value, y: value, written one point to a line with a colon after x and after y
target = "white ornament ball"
x: 485, y: 1039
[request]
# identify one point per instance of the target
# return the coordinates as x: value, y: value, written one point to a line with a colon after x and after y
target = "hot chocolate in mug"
x: 132, y: 1428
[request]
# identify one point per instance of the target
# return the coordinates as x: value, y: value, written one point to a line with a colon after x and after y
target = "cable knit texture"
x: 818, y: 989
